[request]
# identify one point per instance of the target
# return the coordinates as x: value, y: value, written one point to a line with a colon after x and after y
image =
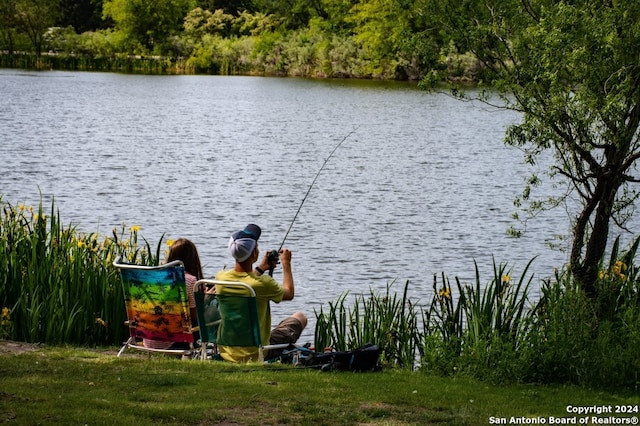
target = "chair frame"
x: 206, y: 344
x: 132, y: 341
x: 250, y: 292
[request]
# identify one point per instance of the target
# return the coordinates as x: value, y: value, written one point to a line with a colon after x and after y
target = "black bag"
x: 364, y: 358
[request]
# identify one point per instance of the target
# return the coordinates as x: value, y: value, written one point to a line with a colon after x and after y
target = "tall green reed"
x: 58, y: 285
x: 444, y: 328
x: 478, y: 327
x: 387, y: 320
x: 497, y: 309
x: 617, y: 281
x: 445, y: 316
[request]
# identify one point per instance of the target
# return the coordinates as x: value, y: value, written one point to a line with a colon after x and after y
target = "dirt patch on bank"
x: 12, y: 347
x: 9, y: 347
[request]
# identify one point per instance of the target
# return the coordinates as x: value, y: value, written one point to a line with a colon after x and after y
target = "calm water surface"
x: 424, y: 185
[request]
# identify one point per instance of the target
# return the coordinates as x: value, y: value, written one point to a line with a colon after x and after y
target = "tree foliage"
x: 82, y: 15
x: 8, y: 24
x: 147, y: 23
x: 31, y: 17
x: 571, y: 68
x: 392, y: 32
x: 387, y: 35
x: 295, y: 13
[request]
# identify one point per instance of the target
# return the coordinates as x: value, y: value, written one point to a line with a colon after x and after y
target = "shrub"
x: 575, y: 339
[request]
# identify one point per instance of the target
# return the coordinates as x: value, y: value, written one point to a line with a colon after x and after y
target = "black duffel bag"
x: 364, y: 358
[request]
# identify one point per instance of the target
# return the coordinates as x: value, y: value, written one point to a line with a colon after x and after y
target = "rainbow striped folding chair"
x: 157, y: 307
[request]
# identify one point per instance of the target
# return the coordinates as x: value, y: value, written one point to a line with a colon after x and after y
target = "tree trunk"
x: 585, y: 268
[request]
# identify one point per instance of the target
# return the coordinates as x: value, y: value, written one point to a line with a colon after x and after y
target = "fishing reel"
x: 273, y: 256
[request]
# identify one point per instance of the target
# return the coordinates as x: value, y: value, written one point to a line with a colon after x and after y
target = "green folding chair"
x: 157, y: 306
x: 238, y: 325
x: 209, y: 319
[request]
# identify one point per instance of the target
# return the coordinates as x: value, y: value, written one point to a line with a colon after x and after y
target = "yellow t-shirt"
x: 267, y: 289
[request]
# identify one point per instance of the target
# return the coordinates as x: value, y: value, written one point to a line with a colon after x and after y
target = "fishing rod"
x: 274, y: 254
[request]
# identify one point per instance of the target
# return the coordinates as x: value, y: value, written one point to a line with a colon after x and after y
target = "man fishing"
x: 243, y: 246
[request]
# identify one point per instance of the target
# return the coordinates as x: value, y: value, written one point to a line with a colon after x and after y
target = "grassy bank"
x: 64, y: 385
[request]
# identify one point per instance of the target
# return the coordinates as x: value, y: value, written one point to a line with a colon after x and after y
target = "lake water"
x: 423, y: 185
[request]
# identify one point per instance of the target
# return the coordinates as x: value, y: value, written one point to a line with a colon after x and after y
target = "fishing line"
x: 274, y: 253
x: 312, y: 183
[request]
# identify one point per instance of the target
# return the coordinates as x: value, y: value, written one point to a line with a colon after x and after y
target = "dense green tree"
x: 572, y: 69
x: 393, y: 34
x: 295, y: 13
x: 82, y: 15
x: 147, y: 24
x: 336, y: 12
x: 380, y: 26
x: 8, y: 24
x: 34, y: 18
x: 233, y: 7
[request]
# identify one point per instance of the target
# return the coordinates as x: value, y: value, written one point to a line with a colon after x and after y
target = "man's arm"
x: 287, y: 275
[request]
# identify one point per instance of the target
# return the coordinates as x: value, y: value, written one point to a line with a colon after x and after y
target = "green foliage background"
x: 385, y: 39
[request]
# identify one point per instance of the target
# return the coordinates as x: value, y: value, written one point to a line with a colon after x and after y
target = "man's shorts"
x: 288, y: 331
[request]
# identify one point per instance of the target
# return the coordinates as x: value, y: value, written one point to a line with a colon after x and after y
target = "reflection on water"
x: 424, y: 185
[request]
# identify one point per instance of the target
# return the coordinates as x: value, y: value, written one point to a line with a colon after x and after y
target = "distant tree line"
x: 389, y: 39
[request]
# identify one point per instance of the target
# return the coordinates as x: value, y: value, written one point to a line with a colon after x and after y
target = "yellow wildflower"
x: 506, y: 278
x: 81, y: 244
x: 5, y: 318
x: 170, y: 242
x: 445, y: 293
x: 619, y: 268
x: 135, y: 228
x: 101, y: 322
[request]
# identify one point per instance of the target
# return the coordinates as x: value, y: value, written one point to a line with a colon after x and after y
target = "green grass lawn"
x: 62, y: 385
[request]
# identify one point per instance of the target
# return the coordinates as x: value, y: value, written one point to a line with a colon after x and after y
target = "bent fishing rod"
x: 274, y: 254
